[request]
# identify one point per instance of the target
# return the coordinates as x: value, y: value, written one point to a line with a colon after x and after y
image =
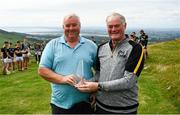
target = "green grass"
x: 159, y: 91
x: 24, y: 92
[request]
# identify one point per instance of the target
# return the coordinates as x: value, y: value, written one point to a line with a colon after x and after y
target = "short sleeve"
x: 47, y: 57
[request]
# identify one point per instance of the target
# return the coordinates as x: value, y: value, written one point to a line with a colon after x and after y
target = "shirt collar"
x: 62, y: 39
x: 118, y: 43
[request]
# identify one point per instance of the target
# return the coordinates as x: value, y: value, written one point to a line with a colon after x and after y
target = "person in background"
x: 43, y: 44
x: 134, y: 37
x: 19, y: 58
x: 126, y: 36
x: 37, y: 51
x: 59, y: 65
x: 120, y: 62
x: 25, y: 52
x: 12, y: 54
x: 143, y: 40
x: 5, y: 58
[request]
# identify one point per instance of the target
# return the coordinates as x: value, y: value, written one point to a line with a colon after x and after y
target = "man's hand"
x: 88, y: 87
x: 69, y: 79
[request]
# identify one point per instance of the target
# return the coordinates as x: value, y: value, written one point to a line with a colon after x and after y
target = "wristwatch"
x: 99, y: 87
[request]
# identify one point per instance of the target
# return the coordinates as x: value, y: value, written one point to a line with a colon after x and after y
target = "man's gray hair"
x: 71, y: 16
x: 123, y: 20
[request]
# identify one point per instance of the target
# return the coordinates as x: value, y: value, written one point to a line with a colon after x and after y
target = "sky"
x: 50, y: 13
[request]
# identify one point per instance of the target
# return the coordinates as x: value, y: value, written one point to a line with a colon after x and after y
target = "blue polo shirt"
x: 62, y: 59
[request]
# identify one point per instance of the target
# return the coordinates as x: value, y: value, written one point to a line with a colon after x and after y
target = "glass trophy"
x: 80, y: 72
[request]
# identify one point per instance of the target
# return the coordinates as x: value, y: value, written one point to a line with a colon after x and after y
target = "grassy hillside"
x: 160, y: 79
x: 12, y: 37
x: 26, y: 93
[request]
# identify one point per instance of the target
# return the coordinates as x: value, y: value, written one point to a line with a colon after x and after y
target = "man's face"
x: 116, y: 29
x: 71, y: 28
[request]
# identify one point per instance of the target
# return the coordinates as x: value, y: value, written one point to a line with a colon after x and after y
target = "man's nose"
x: 113, y: 28
x: 71, y: 27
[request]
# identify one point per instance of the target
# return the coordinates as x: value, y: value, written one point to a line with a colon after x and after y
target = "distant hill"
x: 12, y: 37
x: 4, y: 32
x: 97, y: 34
x: 155, y: 34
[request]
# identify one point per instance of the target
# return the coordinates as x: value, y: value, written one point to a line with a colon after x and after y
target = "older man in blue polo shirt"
x: 59, y: 64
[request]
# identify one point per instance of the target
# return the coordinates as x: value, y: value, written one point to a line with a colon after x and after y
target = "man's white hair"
x: 122, y: 18
x: 71, y: 16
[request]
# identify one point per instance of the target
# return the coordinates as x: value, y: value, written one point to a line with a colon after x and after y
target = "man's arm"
x: 45, y: 68
x: 133, y: 69
x: 53, y: 77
